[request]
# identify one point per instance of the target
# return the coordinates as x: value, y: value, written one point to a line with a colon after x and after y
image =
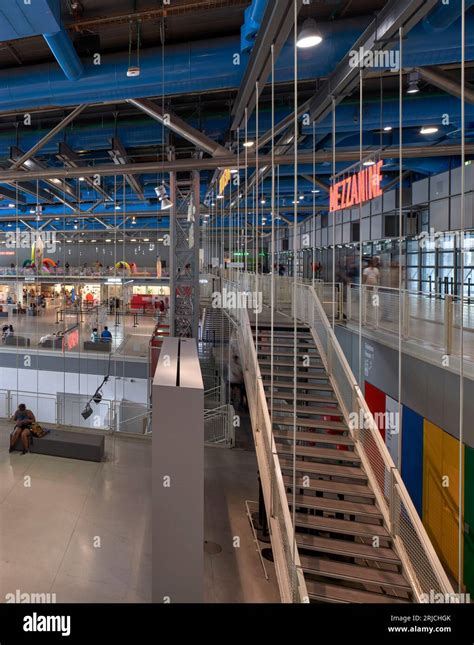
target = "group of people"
x: 105, y: 337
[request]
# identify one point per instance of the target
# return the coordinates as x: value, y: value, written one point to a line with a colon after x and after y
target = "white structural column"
x: 178, y: 474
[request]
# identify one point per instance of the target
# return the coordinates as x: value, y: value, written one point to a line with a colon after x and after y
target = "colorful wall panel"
x: 440, y: 495
x: 412, y: 456
x: 392, y: 429
x: 469, y: 518
x: 376, y: 400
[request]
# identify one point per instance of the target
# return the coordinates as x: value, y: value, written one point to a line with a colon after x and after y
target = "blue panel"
x: 20, y: 20
x: 412, y: 456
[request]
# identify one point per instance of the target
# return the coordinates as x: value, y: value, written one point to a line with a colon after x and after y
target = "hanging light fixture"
x: 309, y: 36
x: 163, y: 197
x: 133, y: 70
x: 413, y: 83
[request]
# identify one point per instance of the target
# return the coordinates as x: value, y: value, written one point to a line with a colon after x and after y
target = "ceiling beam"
x: 180, y: 127
x: 31, y: 164
x: 52, y: 133
x: 179, y: 165
x: 120, y: 157
x: 72, y: 160
x: 277, y: 23
x: 446, y: 82
x: 317, y: 182
x: 381, y: 34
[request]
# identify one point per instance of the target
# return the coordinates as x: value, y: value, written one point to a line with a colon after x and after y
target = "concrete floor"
x: 82, y: 530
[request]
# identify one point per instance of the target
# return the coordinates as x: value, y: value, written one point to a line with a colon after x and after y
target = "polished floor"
x: 82, y: 530
x: 78, y: 529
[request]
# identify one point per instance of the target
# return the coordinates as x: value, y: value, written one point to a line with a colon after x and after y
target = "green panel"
x: 469, y: 518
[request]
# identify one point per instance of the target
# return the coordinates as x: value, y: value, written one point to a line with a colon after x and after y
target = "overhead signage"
x: 357, y: 188
x: 224, y: 180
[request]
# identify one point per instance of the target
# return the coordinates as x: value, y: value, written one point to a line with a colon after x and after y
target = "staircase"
x: 346, y: 552
x: 216, y: 328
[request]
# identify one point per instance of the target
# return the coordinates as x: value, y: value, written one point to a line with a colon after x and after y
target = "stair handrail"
x: 418, y: 556
x: 288, y: 568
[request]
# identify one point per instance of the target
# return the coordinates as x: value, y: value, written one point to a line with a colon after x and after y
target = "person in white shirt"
x: 371, y: 274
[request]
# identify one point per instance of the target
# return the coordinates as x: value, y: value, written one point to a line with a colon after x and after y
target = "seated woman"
x: 23, y: 419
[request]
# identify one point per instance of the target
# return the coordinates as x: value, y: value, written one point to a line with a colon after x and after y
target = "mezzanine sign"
x: 357, y: 188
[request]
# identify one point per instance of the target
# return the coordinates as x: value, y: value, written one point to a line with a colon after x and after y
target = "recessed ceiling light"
x: 133, y: 239
x: 429, y: 129
x: 234, y: 171
x: 11, y: 205
x: 315, y: 191
x: 263, y: 201
x: 68, y: 241
x: 92, y: 241
x: 108, y: 240
x: 368, y: 162
x: 220, y: 196
x: 82, y: 178
x: 118, y: 207
x: 301, y: 197
x: 388, y: 128
x: 146, y: 239
x: 249, y: 144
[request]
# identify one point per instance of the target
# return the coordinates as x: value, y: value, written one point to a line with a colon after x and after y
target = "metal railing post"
x: 448, y: 323
x: 394, y: 525
x: 406, y: 314
x: 341, y: 301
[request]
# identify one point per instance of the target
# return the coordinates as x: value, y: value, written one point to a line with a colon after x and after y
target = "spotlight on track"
x: 413, y: 83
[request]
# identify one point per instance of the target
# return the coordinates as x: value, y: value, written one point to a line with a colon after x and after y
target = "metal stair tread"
x: 346, y: 548
x: 336, y: 593
x: 317, y: 437
x: 321, y: 468
x: 301, y: 386
x: 302, y: 397
x: 355, y: 572
x: 347, y: 527
x: 302, y: 409
x: 330, y: 486
x: 314, y: 364
x: 318, y: 453
x: 310, y: 423
x: 336, y: 505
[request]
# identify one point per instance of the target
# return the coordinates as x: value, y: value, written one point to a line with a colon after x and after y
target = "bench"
x: 73, y: 445
x: 51, y: 343
x: 100, y: 346
x: 17, y: 341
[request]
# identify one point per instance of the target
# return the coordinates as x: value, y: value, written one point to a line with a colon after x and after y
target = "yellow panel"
x: 441, y: 502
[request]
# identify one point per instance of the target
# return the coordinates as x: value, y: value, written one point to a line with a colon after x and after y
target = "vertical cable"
x: 400, y: 242
x: 295, y: 228
x: 361, y: 253
x: 314, y: 205
x: 334, y: 215
x: 272, y: 286
x: 461, y: 330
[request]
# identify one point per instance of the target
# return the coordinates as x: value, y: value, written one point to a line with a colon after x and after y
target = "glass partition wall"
x: 85, y: 293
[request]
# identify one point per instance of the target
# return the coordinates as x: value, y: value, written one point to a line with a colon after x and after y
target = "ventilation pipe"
x: 252, y: 22
x: 63, y: 49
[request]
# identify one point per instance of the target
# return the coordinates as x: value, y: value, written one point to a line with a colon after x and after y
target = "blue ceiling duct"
x: 24, y: 20
x: 444, y: 15
x: 251, y: 26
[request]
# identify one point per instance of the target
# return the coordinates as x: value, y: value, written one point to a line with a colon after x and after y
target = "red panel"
x: 376, y: 400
